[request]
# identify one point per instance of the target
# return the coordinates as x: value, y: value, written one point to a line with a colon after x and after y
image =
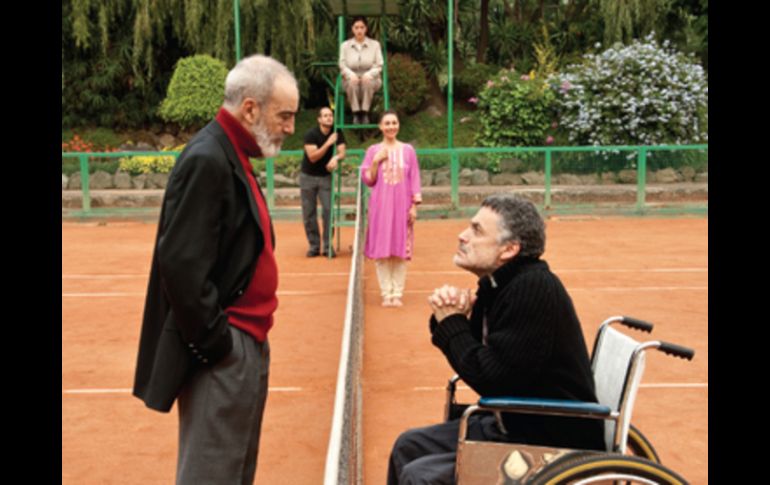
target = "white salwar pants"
x: 391, y: 273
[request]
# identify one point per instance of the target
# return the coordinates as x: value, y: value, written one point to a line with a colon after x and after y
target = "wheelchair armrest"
x: 559, y: 407
x: 528, y: 405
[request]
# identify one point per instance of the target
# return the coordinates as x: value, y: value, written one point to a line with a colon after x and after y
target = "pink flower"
x: 549, y: 140
x: 565, y: 86
x: 473, y: 100
x: 490, y: 84
x: 525, y: 77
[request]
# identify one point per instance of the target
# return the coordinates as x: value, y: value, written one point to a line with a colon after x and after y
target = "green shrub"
x: 408, y: 84
x: 514, y: 110
x: 469, y: 82
x: 196, y: 91
x: 640, y: 94
x: 150, y: 163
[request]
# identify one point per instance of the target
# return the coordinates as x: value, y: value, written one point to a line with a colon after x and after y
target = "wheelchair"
x: 617, y: 364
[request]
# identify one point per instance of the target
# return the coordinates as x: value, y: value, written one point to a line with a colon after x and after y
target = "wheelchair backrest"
x: 617, y: 377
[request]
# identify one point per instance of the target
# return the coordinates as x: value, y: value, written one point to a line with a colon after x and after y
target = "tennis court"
x: 654, y: 269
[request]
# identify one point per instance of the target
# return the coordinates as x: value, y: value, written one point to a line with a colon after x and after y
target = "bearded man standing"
x: 212, y: 289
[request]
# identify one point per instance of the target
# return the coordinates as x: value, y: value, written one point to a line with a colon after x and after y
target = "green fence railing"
x: 642, y: 154
x: 589, y: 159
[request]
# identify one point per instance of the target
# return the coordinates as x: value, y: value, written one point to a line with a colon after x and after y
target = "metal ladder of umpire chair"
x: 342, y: 9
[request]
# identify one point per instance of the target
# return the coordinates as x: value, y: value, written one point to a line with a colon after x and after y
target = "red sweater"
x: 253, y: 311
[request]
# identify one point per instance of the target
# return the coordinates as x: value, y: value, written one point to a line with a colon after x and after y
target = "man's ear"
x: 510, y: 250
x: 250, y: 110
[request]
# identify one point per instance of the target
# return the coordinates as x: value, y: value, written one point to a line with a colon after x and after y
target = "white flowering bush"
x: 640, y: 94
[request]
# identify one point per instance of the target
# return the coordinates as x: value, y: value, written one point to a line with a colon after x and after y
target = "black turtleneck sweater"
x: 534, y: 348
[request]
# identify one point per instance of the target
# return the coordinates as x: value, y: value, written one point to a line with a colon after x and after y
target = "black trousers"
x: 427, y: 455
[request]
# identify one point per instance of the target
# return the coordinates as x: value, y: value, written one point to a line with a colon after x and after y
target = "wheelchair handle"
x: 452, y: 383
x: 676, y: 350
x: 637, y: 324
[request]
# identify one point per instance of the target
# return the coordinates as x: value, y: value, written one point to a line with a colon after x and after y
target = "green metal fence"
x: 548, y: 160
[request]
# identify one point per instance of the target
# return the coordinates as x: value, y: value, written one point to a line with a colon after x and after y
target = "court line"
x: 130, y: 294
x: 605, y: 289
x: 632, y: 270
x: 652, y: 385
x: 102, y: 276
x: 84, y: 276
x: 658, y: 385
x: 587, y: 270
x: 683, y: 385
x: 128, y: 391
x: 643, y: 288
x: 418, y: 292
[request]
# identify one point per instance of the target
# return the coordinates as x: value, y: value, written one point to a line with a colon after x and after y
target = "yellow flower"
x: 532, y: 74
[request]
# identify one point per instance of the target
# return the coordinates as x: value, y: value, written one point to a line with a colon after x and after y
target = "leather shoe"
x: 312, y: 253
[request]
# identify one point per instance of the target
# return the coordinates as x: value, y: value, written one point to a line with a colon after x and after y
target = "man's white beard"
x: 269, y: 146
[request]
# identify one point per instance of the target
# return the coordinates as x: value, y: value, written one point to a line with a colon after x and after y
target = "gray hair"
x: 253, y: 77
x: 519, y: 221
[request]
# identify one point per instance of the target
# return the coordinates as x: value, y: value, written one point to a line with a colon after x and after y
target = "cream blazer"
x: 364, y: 58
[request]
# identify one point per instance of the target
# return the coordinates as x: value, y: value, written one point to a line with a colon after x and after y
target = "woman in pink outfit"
x: 390, y: 168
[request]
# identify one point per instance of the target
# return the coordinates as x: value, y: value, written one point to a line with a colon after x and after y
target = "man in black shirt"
x: 518, y: 335
x: 318, y: 162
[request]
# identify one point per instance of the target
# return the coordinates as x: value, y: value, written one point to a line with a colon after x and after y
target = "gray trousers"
x: 427, y: 455
x: 360, y: 95
x: 311, y: 189
x: 220, y: 416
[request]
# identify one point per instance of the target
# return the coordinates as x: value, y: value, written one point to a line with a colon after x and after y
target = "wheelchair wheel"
x: 605, y: 468
x: 638, y: 445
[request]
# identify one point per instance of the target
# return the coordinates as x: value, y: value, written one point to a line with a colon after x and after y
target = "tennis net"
x: 344, y: 456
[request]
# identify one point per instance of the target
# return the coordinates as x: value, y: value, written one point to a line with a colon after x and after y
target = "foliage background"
x: 118, y: 56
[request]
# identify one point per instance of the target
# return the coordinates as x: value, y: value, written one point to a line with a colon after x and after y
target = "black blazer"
x: 209, y: 238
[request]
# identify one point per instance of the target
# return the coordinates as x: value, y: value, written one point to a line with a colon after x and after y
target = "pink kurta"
x: 398, y: 185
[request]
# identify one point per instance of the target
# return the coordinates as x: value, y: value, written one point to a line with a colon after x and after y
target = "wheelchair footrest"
x: 482, y: 462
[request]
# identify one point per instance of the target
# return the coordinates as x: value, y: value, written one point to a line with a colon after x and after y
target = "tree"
x: 625, y: 20
x: 268, y: 27
x: 99, y: 84
x: 484, y: 31
x: 686, y: 24
x: 115, y: 51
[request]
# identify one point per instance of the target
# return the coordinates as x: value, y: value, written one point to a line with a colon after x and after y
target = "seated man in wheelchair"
x: 518, y: 335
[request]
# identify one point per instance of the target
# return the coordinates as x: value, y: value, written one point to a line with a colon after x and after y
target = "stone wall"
x: 441, y: 177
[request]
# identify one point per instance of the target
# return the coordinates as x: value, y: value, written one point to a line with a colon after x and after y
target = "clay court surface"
x: 653, y: 269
